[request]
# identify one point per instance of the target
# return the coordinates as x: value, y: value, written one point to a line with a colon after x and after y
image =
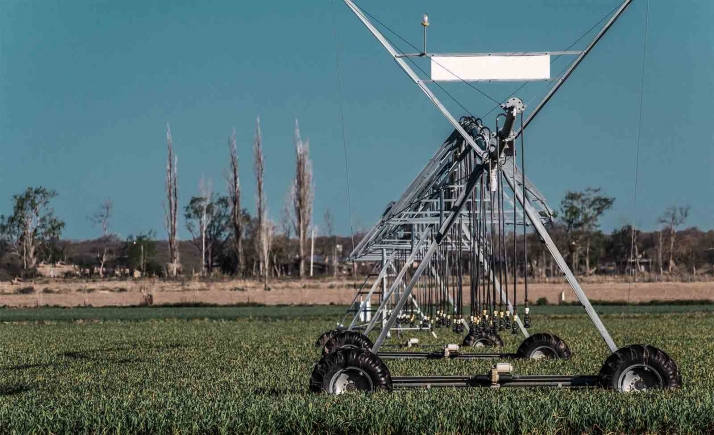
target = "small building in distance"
x: 57, y: 270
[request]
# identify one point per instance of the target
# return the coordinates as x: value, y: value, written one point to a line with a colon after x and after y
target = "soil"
x: 295, y: 292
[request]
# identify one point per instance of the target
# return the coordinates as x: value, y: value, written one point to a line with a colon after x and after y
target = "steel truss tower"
x: 438, y: 211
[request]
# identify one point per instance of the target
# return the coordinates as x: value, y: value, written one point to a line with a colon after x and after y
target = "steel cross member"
x: 436, y: 241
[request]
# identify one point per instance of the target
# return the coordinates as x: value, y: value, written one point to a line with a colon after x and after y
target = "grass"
x: 186, y: 312
x: 246, y: 369
x: 330, y: 313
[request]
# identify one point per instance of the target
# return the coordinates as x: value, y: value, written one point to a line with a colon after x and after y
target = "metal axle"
x: 577, y: 381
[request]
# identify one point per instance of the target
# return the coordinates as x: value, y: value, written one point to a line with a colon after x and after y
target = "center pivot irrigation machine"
x: 455, y: 232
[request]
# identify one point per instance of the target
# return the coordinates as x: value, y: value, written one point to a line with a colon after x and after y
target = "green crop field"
x: 246, y: 369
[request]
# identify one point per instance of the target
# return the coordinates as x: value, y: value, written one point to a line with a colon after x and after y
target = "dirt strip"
x: 109, y: 294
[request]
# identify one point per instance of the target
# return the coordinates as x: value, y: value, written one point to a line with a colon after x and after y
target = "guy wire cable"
x: 342, y: 121
x: 637, y: 152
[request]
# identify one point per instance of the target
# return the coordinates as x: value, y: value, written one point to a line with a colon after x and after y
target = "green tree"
x: 208, y: 220
x: 231, y: 260
x: 620, y: 247
x: 141, y: 251
x: 32, y: 225
x: 580, y: 213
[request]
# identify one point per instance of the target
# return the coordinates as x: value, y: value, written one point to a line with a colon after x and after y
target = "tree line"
x: 223, y: 231
x: 227, y: 239
x: 671, y: 248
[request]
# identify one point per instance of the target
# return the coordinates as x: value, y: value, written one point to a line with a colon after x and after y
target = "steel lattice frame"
x: 419, y: 222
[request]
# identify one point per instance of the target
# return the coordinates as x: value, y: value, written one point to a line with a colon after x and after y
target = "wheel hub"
x: 640, y: 377
x: 350, y: 379
x: 543, y: 352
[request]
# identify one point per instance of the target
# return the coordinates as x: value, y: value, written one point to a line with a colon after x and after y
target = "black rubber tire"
x: 347, y: 339
x: 543, y: 346
x: 350, y: 359
x: 325, y: 337
x: 655, y: 360
x: 487, y: 339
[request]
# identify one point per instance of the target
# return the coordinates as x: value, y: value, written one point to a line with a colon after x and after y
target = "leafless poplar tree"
x: 264, y: 238
x: 671, y: 219
x: 234, y: 193
x: 102, y: 217
x: 303, y: 194
x: 171, y: 206
x: 268, y: 246
x: 287, y: 219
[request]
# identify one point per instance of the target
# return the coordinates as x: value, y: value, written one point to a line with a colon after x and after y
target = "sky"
x: 87, y: 88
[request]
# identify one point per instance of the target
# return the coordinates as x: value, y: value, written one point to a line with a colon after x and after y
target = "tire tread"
x: 343, y: 358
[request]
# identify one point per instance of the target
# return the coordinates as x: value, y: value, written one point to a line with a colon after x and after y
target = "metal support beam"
x: 515, y: 53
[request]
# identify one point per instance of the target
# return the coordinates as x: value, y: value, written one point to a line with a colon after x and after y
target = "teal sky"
x: 86, y: 88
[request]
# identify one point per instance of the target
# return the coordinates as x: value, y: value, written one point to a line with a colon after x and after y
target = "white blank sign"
x: 481, y: 68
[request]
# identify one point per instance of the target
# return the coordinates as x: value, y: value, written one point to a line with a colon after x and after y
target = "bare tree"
x: 264, y: 238
x: 303, y: 194
x: 671, y: 219
x: 102, y: 217
x: 171, y: 206
x: 267, y: 247
x: 205, y: 187
x: 331, y: 250
x: 234, y: 193
x: 287, y: 219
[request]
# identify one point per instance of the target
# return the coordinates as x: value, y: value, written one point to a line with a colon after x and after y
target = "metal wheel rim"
x: 543, y: 352
x: 640, y: 377
x: 350, y: 379
x: 481, y: 343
